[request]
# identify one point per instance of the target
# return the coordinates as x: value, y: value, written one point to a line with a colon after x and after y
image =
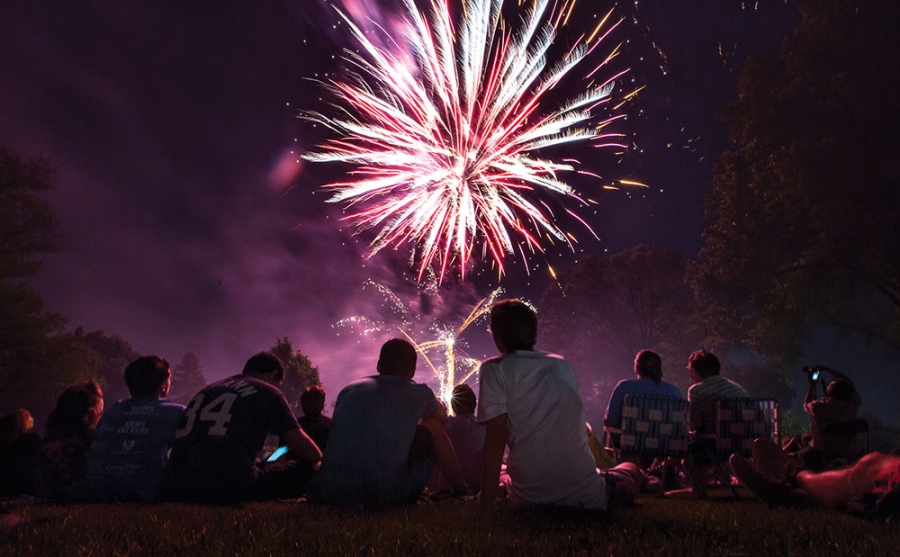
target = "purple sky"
x: 186, y: 225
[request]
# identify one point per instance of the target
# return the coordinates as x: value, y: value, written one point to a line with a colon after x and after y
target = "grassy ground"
x: 654, y: 526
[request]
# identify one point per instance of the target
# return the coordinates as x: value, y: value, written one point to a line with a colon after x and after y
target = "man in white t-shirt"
x: 529, y: 401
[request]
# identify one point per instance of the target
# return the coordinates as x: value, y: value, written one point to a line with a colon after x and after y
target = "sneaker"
x: 773, y: 492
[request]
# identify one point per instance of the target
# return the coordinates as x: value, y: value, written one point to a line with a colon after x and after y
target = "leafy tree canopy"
x: 299, y: 373
x: 28, y: 226
x: 187, y: 379
x: 106, y: 357
x: 803, y: 209
x: 603, y: 310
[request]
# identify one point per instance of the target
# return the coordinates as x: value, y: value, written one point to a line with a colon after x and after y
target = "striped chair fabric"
x: 653, y: 425
x: 741, y: 420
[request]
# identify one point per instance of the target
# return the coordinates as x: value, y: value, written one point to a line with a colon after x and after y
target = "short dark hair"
x: 463, y: 400
x: 76, y: 413
x: 313, y: 400
x: 397, y: 357
x: 145, y: 375
x: 706, y: 364
x: 514, y: 323
x: 648, y: 364
x: 264, y: 363
x: 840, y: 389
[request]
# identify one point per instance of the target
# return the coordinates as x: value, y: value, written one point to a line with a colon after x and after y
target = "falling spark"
x: 444, y: 142
x: 633, y: 183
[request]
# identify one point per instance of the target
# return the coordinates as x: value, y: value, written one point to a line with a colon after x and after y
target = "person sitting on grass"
x: 314, y: 422
x: 215, y: 456
x: 868, y: 487
x: 387, y: 432
x: 840, y: 404
x: 70, y: 428
x: 529, y: 401
x: 20, y: 450
x: 648, y: 369
x: 466, y: 435
x: 129, y: 452
x: 703, y: 397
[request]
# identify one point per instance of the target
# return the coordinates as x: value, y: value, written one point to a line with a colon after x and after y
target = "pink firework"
x: 445, y: 143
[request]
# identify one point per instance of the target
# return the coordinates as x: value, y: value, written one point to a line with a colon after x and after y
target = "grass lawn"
x: 655, y: 526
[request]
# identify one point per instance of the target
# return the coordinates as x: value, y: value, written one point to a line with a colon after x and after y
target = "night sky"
x: 189, y: 226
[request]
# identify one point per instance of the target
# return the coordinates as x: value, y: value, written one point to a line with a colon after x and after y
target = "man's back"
x: 128, y: 455
x: 703, y: 398
x: 224, y: 428
x: 641, y: 386
x: 372, y: 431
x: 549, y: 458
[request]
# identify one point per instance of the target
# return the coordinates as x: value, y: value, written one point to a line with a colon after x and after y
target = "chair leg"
x: 724, y: 471
x: 699, y: 480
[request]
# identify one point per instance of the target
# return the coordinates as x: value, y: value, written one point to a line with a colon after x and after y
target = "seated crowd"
x: 390, y: 437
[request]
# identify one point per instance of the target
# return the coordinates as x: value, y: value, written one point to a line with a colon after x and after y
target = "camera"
x: 812, y: 372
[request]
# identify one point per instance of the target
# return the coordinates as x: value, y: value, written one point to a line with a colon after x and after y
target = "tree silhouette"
x: 604, y: 309
x: 29, y: 362
x: 107, y: 357
x: 28, y: 225
x: 187, y: 379
x: 299, y: 372
x: 803, y: 209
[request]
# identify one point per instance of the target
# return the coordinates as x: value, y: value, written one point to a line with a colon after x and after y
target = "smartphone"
x: 279, y: 452
x: 815, y: 375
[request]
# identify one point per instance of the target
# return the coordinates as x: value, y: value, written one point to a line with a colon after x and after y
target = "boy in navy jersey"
x: 215, y: 457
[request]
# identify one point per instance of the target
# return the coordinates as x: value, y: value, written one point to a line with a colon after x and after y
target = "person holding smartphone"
x: 840, y: 404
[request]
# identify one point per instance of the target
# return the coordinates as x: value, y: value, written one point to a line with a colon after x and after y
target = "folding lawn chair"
x: 739, y: 421
x: 653, y: 427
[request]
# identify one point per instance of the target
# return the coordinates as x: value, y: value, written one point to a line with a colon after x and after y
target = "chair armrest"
x: 610, y: 436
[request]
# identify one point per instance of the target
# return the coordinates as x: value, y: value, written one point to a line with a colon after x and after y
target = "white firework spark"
x: 445, y: 145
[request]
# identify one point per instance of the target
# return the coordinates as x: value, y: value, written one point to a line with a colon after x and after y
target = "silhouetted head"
x: 514, y: 326
x: 265, y: 366
x: 648, y: 364
x: 840, y: 390
x: 463, y: 400
x: 704, y: 364
x: 78, y: 409
x: 16, y: 423
x: 148, y: 376
x: 397, y: 357
x: 313, y: 401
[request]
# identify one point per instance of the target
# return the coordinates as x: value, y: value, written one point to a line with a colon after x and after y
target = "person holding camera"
x: 840, y: 404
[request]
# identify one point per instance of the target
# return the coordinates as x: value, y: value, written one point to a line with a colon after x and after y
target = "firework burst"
x: 445, y: 141
x: 445, y: 354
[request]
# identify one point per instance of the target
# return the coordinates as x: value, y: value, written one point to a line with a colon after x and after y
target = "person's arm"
x: 811, y: 392
x: 496, y: 436
x: 444, y: 454
x: 299, y: 443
